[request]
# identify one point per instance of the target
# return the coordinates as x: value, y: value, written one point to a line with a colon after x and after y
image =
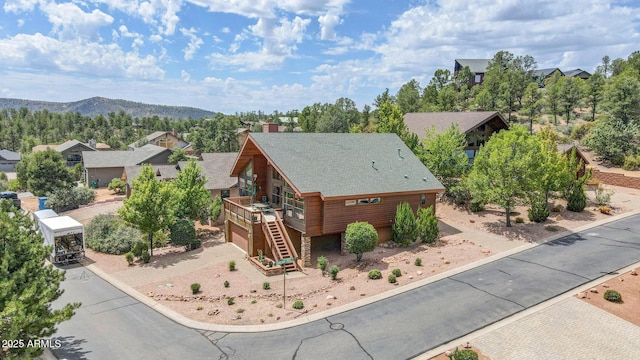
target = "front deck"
x: 258, y: 228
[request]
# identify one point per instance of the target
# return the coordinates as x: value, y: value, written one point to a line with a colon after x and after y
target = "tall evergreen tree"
x: 27, y: 286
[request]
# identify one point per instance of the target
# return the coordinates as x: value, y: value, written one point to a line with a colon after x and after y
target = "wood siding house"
x: 308, y: 187
x: 165, y: 139
x: 478, y: 126
x: 477, y: 66
x: 9, y: 160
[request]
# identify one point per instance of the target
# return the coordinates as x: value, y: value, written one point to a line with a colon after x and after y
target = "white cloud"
x: 20, y: 23
x: 19, y: 5
x: 155, y: 38
x: 41, y: 52
x: 70, y: 22
x: 185, y: 76
x: 194, y: 42
x: 328, y: 22
x: 225, y: 30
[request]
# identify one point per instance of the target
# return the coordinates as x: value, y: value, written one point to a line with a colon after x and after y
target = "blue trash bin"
x: 41, y: 203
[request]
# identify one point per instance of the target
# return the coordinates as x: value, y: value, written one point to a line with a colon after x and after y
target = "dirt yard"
x: 628, y: 285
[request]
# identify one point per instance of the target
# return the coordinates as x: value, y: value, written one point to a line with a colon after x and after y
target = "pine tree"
x: 405, y: 229
x: 427, y: 225
x: 27, y: 285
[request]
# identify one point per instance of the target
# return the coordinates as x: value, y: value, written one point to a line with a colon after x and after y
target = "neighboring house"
x: 72, y: 150
x: 8, y: 160
x: 478, y: 126
x: 104, y: 166
x: 163, y: 139
x: 568, y: 149
x: 577, y: 73
x: 242, y: 134
x: 299, y: 191
x: 162, y: 172
x: 477, y: 66
x: 544, y: 74
x: 215, y: 167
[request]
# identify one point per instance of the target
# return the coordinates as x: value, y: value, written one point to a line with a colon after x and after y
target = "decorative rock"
x: 150, y: 294
x: 582, y: 295
x: 253, y: 290
x: 485, y: 251
x: 447, y: 262
x: 447, y: 353
x: 472, y: 221
x: 434, y: 270
x: 330, y: 297
x: 605, y: 285
x: 406, y: 262
x: 559, y: 217
x: 328, y: 304
x: 621, y: 279
x: 634, y: 272
x: 363, y: 294
x: 419, y: 272
x: 593, y: 290
x: 410, y: 277
x: 352, y: 287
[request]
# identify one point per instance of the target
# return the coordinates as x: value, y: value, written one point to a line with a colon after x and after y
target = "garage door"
x: 7, y: 167
x: 239, y: 236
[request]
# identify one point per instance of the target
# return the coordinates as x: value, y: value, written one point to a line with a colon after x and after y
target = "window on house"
x: 275, y: 175
x: 350, y: 203
x: 363, y: 201
x: 423, y: 199
x: 477, y: 79
x: 224, y: 194
x: 293, y: 206
x: 375, y: 200
x: 276, y: 195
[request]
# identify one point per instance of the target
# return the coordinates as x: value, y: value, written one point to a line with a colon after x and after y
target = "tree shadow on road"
x: 71, y: 348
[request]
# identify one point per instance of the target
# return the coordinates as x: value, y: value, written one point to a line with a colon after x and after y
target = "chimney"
x: 93, y: 143
x: 175, y: 132
x: 270, y: 128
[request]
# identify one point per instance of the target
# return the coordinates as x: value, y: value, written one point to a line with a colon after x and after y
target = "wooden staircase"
x: 279, y: 242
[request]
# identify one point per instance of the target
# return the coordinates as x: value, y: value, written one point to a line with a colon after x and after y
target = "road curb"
x: 183, y: 320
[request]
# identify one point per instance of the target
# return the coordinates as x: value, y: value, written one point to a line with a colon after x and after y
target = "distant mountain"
x: 103, y: 106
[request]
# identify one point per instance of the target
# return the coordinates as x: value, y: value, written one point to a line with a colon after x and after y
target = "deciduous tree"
x: 192, y: 196
x: 443, y: 154
x: 151, y: 206
x: 44, y: 171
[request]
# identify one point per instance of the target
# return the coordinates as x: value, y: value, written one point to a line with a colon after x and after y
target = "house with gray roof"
x: 71, y: 150
x: 104, y: 166
x: 165, y: 139
x: 579, y: 73
x: 478, y: 126
x: 216, y: 167
x: 316, y: 184
x: 477, y: 66
x: 8, y: 160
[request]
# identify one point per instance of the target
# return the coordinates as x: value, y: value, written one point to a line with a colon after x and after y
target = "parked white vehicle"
x: 65, y: 235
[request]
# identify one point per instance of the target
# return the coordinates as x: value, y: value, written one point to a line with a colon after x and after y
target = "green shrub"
x: 613, y: 296
x: 392, y: 278
x: 65, y: 199
x: 129, y: 256
x: 195, y: 288
x: 458, y: 194
x: 266, y: 285
x: 333, y: 271
x: 361, y: 237
x: 476, y: 205
x: 405, y: 229
x: 464, y: 354
x: 160, y: 239
x: 375, y: 274
x: 417, y: 262
x: 538, y: 211
x: 195, y: 244
x: 519, y: 220
x: 396, y: 272
x: 631, y: 162
x: 226, y: 283
x: 13, y: 185
x: 232, y: 265
x: 146, y: 257
x: 577, y: 199
x: 231, y: 301
x: 183, y: 233
x: 279, y: 306
x: 139, y: 247
x: 581, y: 130
x: 322, y: 263
x: 298, y: 304
x: 3, y: 176
x: 603, y: 195
x: 107, y: 234
x: 427, y: 224
x: 240, y: 310
x: 118, y: 186
x: 199, y: 307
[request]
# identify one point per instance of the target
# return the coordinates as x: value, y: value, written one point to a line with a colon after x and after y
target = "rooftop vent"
x: 373, y: 165
x: 406, y: 176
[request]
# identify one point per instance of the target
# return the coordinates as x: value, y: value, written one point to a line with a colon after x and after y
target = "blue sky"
x: 243, y: 55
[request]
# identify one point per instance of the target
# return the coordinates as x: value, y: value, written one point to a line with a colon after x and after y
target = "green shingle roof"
x: 346, y: 164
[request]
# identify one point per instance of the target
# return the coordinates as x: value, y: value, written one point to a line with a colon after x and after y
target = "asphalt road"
x: 113, y: 325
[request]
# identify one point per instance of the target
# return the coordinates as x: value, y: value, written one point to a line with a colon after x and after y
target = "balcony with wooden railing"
x: 240, y: 211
